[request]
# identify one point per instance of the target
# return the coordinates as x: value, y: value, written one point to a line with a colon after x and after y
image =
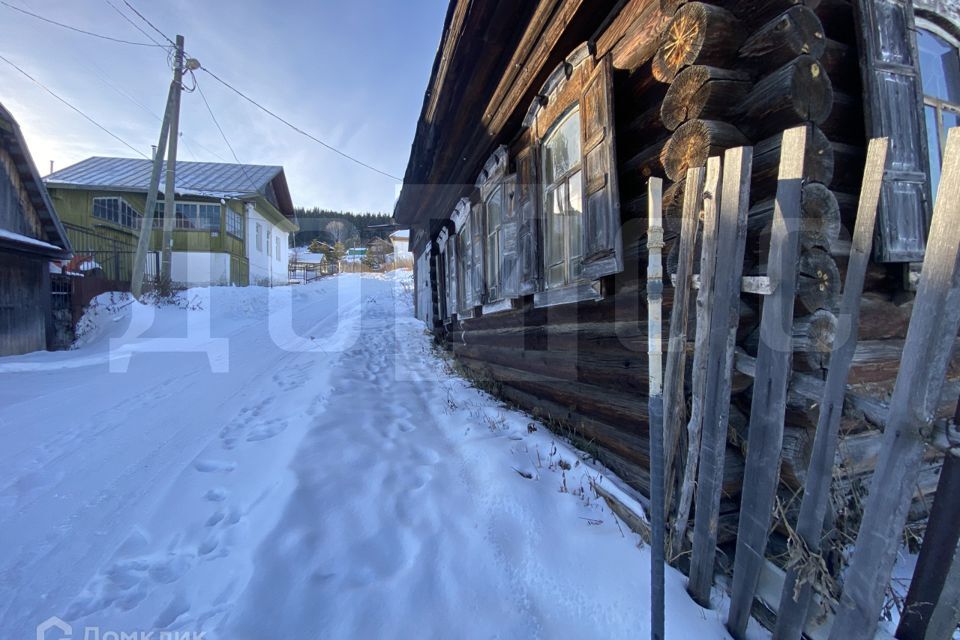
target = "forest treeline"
x: 349, y: 229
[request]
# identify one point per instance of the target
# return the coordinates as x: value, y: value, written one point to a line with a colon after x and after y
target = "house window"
x: 940, y: 75
x: 259, y: 238
x: 193, y: 216
x: 268, y: 242
x: 494, y: 207
x: 463, y: 269
x: 563, y: 202
x: 234, y: 224
x: 277, y: 253
x: 117, y: 211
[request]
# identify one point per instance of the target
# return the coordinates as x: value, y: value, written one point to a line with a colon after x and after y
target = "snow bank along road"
x: 332, y: 479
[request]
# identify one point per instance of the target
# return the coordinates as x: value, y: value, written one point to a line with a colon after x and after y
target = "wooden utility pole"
x: 169, y: 191
x: 655, y: 414
x: 146, y: 227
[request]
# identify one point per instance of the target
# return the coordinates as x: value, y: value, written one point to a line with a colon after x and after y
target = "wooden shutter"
x: 602, y: 245
x: 527, y: 205
x: 510, y: 241
x: 893, y: 106
x: 453, y: 304
x: 468, y: 299
x: 477, y: 227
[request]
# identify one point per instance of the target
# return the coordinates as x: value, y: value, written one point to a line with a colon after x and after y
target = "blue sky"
x: 351, y: 73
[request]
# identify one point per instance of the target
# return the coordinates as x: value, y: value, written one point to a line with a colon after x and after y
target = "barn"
x: 30, y: 237
x: 526, y: 195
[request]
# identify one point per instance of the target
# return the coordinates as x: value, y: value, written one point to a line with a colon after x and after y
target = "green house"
x: 232, y: 221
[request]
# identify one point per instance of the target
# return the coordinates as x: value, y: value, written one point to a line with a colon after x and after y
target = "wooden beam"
x: 769, y: 403
x: 732, y: 236
x: 673, y: 392
x: 916, y: 394
x: 708, y: 263
x: 813, y: 509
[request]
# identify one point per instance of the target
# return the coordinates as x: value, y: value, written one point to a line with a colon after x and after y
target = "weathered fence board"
x: 769, y: 403
x: 792, y: 614
x: 916, y: 395
x: 710, y: 197
x: 673, y: 383
x: 731, y: 237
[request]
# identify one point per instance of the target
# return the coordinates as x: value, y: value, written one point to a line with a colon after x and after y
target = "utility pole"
x: 169, y: 192
x: 146, y: 228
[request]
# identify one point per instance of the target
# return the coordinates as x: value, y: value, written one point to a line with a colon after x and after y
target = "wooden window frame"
x: 493, y: 183
x: 939, y: 105
x: 135, y: 216
x: 571, y: 279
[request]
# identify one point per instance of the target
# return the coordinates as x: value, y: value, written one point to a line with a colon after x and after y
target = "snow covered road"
x: 334, y: 480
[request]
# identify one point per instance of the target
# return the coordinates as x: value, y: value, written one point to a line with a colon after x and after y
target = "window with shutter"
x: 466, y: 299
x: 571, y: 125
x: 500, y: 229
x: 527, y: 208
x: 894, y: 109
x: 477, y: 274
x: 602, y: 250
x: 453, y: 280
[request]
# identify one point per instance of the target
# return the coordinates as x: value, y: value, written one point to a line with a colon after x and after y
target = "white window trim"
x: 492, y: 179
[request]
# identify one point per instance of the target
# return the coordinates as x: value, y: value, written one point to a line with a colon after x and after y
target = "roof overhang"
x: 11, y: 137
x: 492, y: 60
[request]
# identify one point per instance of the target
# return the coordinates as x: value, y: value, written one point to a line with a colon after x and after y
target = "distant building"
x: 30, y: 237
x: 401, y: 245
x: 232, y: 221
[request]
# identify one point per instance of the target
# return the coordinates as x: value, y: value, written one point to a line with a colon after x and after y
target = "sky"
x: 352, y: 73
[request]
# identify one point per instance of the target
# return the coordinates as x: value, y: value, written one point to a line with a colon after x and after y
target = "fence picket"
x: 731, y: 237
x: 926, y: 352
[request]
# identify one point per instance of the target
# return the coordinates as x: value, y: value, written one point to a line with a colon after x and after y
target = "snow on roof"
x: 403, y: 234
x: 16, y: 237
x: 213, y: 179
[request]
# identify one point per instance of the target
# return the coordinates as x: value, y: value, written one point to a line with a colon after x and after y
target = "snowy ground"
x: 320, y: 473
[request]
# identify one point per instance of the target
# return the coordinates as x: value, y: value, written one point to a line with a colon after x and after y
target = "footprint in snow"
x: 267, y: 431
x: 212, y: 466
x: 216, y: 495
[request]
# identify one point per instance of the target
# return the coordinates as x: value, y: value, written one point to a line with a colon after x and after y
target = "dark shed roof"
x: 55, y: 243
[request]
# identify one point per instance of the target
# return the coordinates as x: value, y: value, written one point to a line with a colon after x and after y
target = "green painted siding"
x: 76, y: 207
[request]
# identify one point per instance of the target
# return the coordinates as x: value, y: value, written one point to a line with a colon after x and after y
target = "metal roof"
x: 196, y: 178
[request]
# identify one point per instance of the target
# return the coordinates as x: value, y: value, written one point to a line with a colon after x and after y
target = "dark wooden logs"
x: 840, y: 62
x: 645, y: 163
x: 819, y: 221
x: 703, y: 92
x: 694, y: 142
x: 813, y: 338
x: 697, y: 34
x: 819, y: 284
x: 818, y: 165
x: 798, y: 92
x: 793, y: 33
x: 756, y: 13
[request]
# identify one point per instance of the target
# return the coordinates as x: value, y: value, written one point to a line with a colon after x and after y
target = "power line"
x: 142, y: 17
x: 64, y: 101
x: 296, y: 128
x: 83, y: 31
x: 135, y: 25
x: 224, y: 136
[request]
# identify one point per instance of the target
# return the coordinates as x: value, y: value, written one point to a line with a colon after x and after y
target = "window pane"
x: 554, y: 220
x: 575, y: 222
x: 494, y: 214
x: 933, y: 147
x: 209, y: 216
x: 939, y: 67
x: 562, y: 148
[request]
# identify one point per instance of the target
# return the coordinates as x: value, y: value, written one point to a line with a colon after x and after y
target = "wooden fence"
x: 715, y: 218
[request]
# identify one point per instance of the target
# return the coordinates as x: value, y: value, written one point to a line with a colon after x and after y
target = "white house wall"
x: 266, y: 267
x: 199, y: 268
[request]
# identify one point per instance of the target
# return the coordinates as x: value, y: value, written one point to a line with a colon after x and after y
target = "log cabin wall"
x: 690, y: 80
